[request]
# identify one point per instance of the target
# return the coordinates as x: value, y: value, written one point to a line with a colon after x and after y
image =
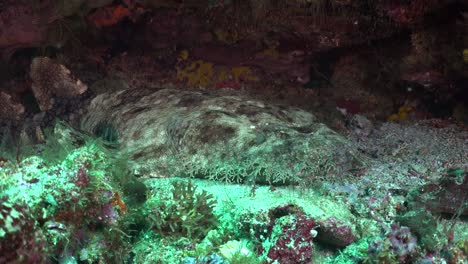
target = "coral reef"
x: 448, y: 195
x: 197, y: 74
x: 21, y: 240
x: 185, y: 212
x: 399, y: 246
x: 73, y: 202
x: 292, y: 240
x: 241, y: 132
x: 424, y: 226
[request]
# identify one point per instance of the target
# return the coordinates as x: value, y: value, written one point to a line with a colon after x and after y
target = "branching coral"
x: 185, y: 212
x: 75, y: 199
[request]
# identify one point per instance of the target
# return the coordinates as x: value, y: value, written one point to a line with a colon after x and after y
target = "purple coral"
x: 398, y: 245
x: 108, y: 214
x: 82, y: 179
x: 403, y: 243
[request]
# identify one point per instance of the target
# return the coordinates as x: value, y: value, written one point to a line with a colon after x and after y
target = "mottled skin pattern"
x: 169, y: 132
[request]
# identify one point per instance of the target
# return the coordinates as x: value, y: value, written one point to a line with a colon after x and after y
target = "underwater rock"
x: 221, y: 137
x: 211, y: 259
x: 407, y: 14
x: 424, y: 226
x: 450, y: 195
x: 360, y: 125
x: 9, y: 110
x: 53, y: 82
x: 27, y: 24
x: 334, y: 232
x: 22, y: 25
x: 168, y: 28
x: 292, y: 64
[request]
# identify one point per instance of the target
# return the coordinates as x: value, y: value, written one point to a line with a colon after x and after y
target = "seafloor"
x: 73, y: 201
x: 233, y: 131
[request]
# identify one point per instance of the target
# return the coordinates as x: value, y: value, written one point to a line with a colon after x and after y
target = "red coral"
x: 294, y: 245
x: 117, y: 201
x: 83, y: 178
x: 21, y: 241
x: 108, y: 16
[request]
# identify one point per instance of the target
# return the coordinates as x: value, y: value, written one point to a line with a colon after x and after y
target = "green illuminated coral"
x: 184, y: 212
